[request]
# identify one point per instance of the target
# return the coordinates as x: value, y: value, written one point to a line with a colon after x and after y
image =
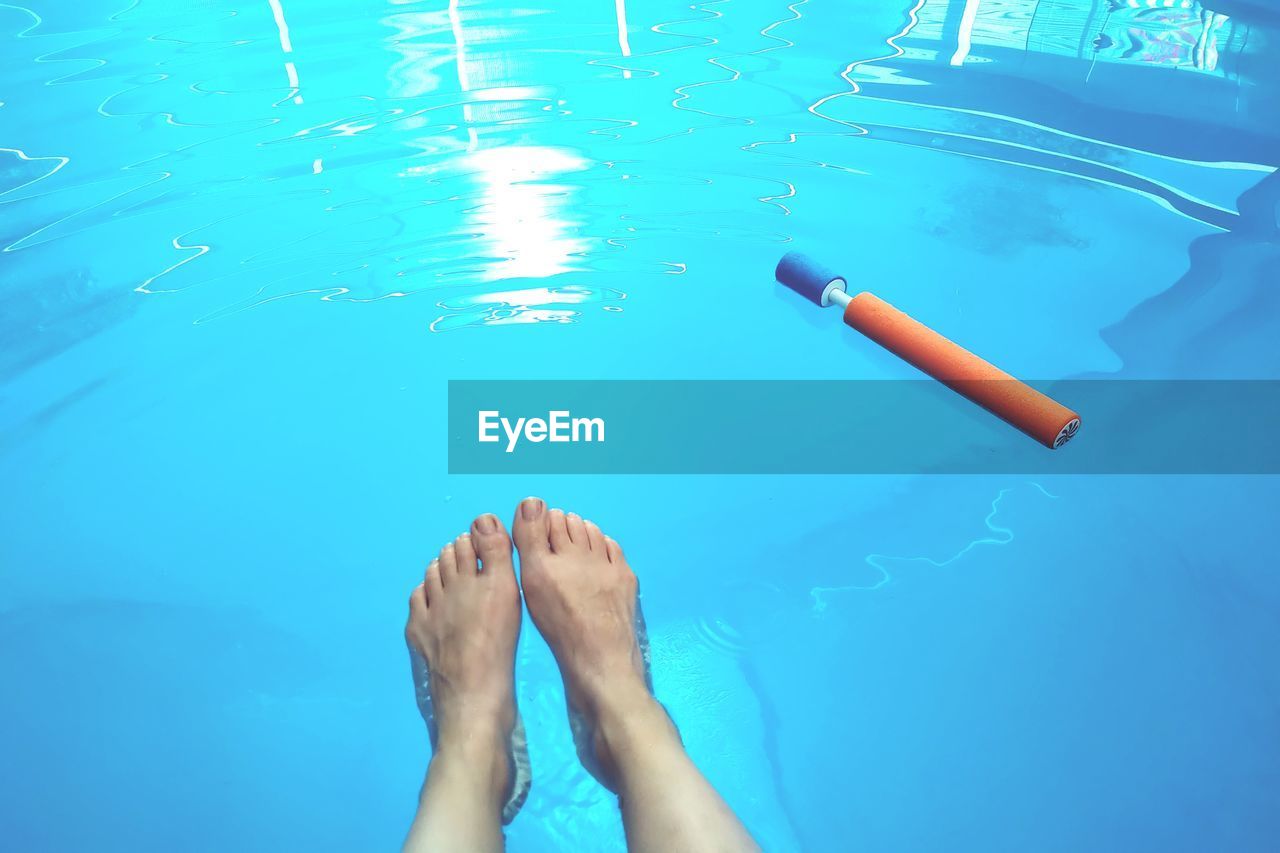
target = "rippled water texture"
x: 244, y: 244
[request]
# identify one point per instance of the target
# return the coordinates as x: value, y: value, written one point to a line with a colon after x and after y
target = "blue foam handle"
x: 808, y: 278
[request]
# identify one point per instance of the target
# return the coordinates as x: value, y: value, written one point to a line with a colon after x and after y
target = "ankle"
x: 611, y: 698
x: 478, y: 754
x: 475, y: 720
x: 630, y: 726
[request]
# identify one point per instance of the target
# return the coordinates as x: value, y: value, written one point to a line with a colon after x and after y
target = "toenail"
x: 487, y: 523
x: 531, y: 508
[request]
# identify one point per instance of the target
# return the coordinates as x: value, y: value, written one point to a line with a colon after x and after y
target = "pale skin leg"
x: 581, y: 594
x: 465, y: 619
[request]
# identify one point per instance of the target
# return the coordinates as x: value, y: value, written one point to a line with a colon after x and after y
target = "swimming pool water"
x: 245, y: 244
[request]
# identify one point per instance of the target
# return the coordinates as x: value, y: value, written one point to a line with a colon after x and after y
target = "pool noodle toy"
x: 1041, y: 417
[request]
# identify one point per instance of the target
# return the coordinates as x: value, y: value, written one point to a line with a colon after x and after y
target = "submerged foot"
x: 464, y: 620
x: 581, y: 594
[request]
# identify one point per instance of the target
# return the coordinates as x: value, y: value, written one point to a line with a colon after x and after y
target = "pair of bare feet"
x: 464, y: 620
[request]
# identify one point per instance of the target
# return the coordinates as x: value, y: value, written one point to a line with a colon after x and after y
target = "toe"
x: 613, y: 549
x: 464, y: 553
x: 577, y: 529
x: 448, y: 565
x: 594, y: 537
x: 418, y: 602
x: 433, y: 586
x: 558, y: 531
x: 492, y: 544
x: 530, y: 528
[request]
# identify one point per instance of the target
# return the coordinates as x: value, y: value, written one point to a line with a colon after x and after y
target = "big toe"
x: 530, y: 528
x: 492, y: 544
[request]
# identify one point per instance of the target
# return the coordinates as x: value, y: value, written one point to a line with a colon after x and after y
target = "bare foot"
x: 581, y: 595
x: 464, y: 620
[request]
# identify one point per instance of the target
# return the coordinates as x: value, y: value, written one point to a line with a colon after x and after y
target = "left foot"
x: 464, y: 619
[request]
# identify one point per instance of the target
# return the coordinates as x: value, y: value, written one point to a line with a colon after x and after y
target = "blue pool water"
x: 246, y: 242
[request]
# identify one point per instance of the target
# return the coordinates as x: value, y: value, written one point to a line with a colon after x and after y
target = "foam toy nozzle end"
x: 809, y: 278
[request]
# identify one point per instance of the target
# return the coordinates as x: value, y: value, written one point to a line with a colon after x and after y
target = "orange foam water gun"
x: 1041, y: 417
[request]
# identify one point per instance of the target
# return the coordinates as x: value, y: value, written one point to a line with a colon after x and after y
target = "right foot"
x: 581, y: 594
x: 464, y: 620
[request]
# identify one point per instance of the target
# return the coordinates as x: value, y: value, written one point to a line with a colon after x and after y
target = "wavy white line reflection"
x: 881, y: 562
x: 286, y: 47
